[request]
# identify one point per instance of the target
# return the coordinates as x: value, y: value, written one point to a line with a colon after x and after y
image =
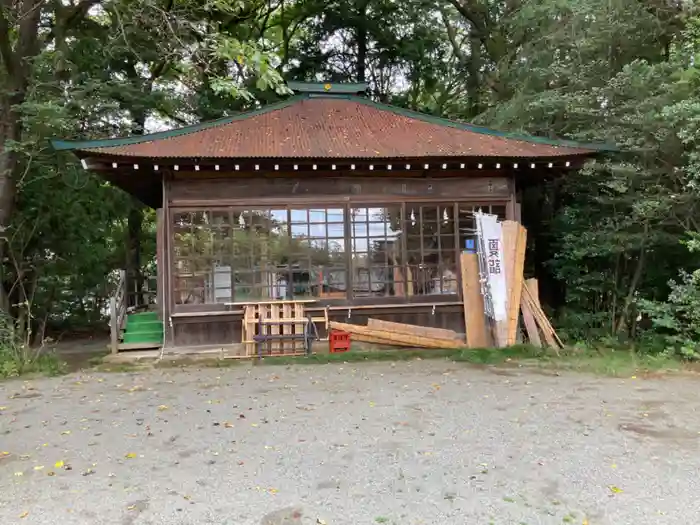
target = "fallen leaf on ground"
x: 51, y: 473
x: 228, y: 424
x: 24, y: 514
x: 19, y: 473
x: 131, y: 507
x: 372, y: 404
x: 130, y: 455
x: 39, y: 467
x: 59, y: 464
x: 162, y: 407
x: 614, y: 489
x: 65, y: 432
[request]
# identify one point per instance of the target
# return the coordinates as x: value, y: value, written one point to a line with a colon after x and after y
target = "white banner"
x: 491, y: 245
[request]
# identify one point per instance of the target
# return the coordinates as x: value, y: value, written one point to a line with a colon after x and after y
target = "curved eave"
x: 104, y: 145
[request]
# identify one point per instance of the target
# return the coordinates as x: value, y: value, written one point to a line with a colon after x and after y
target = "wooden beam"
x: 409, y: 329
x: 530, y: 323
x: 510, y: 239
x: 474, y: 317
x: 403, y: 339
x: 113, y: 324
x: 516, y: 285
x: 548, y: 331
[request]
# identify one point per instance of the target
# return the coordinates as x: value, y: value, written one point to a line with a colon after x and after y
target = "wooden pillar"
x: 164, y: 262
x: 512, y: 206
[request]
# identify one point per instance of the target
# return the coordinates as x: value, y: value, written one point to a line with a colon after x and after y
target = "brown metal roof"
x: 334, y: 128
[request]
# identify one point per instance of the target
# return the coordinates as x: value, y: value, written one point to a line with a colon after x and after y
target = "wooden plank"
x: 276, y: 347
x: 410, y: 329
x: 287, y: 313
x: 533, y: 286
x: 245, y: 330
x: 541, y: 319
x: 364, y: 338
x: 516, y: 287
x: 474, y: 317
x: 408, y: 340
x: 114, y: 324
x: 510, y: 240
x: 298, y: 312
x: 533, y: 334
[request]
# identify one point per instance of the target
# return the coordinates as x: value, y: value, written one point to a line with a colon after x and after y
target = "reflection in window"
x: 400, y: 250
x: 377, y: 268
x: 430, y: 249
x: 251, y: 255
x: 467, y: 226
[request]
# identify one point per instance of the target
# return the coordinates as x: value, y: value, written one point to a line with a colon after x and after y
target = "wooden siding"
x: 232, y: 191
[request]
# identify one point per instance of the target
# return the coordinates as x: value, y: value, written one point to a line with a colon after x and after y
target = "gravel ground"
x: 423, y: 442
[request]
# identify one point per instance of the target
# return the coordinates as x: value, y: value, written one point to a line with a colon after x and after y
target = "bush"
x: 17, y: 358
x: 676, y: 322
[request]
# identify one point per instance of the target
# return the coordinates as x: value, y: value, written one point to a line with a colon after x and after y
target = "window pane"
x: 247, y: 254
x: 431, y: 251
x: 202, y: 243
x: 376, y: 251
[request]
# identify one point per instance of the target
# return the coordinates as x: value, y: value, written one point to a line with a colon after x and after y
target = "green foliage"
x: 18, y: 358
x: 676, y: 321
x: 606, y: 241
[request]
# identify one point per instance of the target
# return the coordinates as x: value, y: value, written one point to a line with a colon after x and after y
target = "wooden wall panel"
x: 197, y: 191
x: 200, y: 331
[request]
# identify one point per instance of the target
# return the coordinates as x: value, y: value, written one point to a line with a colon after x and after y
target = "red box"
x: 338, y: 341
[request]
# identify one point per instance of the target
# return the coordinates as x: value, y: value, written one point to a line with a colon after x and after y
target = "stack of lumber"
x: 535, y: 319
x: 522, y: 298
x: 399, y: 334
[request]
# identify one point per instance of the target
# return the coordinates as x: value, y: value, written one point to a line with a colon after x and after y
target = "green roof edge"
x: 484, y: 130
x: 72, y: 145
x: 349, y: 94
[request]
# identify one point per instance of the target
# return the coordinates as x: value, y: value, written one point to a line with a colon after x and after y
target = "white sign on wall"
x: 491, y: 253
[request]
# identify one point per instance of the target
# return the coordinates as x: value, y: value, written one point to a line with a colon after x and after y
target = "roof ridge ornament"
x: 339, y: 88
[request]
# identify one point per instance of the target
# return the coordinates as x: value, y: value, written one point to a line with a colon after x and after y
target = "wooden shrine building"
x: 358, y: 207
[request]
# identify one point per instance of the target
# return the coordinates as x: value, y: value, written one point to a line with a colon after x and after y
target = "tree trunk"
x: 634, y: 283
x: 10, y: 131
x: 134, y: 275
x: 361, y: 34
x: 474, y: 87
